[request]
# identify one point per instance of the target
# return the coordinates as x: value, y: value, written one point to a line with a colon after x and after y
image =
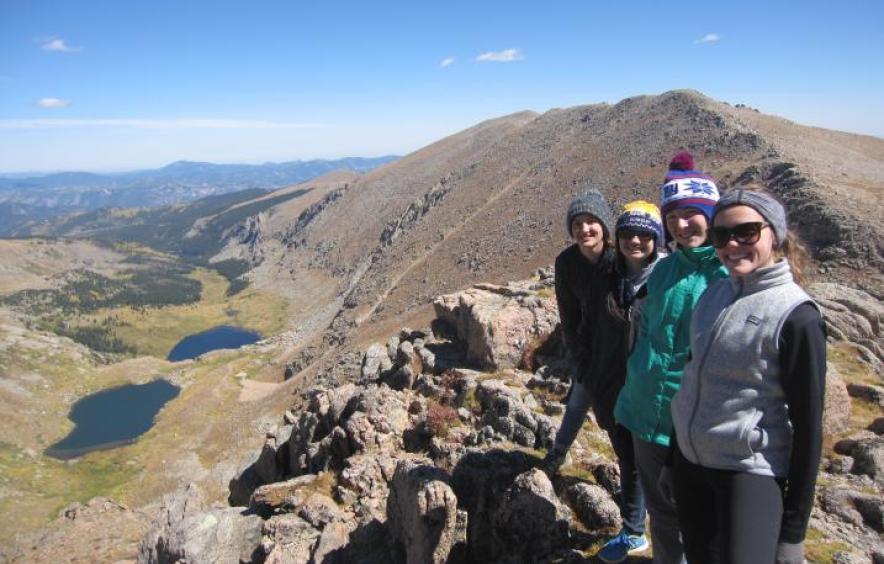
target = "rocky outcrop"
x: 854, y: 507
x: 186, y: 532
x: 499, y: 325
x: 281, y: 496
x: 480, y: 481
x: 269, y: 465
x: 423, y: 514
x: 867, y: 453
x: 418, y: 458
x: 288, y: 538
x: 294, y: 236
x: 836, y: 412
x: 835, y: 237
x: 531, y: 522
x: 868, y: 392
x: 416, y: 210
x: 593, y: 506
x: 855, y: 316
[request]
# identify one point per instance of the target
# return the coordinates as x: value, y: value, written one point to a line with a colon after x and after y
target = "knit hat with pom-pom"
x: 687, y: 188
x: 682, y: 160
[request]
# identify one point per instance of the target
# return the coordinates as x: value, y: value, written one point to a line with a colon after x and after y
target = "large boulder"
x: 867, y: 451
x: 280, y: 496
x: 288, y: 538
x: 480, y: 481
x: 332, y: 544
x: 423, y: 516
x: 868, y: 459
x: 531, y: 523
x: 498, y: 325
x: 365, y: 479
x: 854, y: 507
x: 268, y: 466
x: 184, y: 532
x: 594, y: 506
x: 375, y: 362
x: 868, y: 392
x: 855, y: 316
x: 177, y: 506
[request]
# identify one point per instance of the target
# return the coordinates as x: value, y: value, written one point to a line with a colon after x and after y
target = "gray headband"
x: 770, y: 209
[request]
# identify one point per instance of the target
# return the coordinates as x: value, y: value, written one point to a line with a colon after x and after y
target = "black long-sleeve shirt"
x: 803, y: 374
x: 595, y: 338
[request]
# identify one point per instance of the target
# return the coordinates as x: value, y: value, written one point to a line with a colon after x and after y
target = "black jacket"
x: 595, y: 335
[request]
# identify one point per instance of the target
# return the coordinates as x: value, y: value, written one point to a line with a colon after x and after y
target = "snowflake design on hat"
x: 700, y: 187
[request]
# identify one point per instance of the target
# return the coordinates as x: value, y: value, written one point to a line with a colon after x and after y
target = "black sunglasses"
x: 628, y: 234
x: 744, y: 234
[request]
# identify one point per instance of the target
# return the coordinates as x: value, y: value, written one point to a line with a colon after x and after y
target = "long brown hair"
x: 795, y: 252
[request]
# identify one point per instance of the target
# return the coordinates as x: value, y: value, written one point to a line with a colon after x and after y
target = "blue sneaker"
x: 616, y: 549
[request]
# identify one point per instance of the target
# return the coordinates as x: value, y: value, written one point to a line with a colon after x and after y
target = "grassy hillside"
x: 146, y: 304
x: 172, y: 229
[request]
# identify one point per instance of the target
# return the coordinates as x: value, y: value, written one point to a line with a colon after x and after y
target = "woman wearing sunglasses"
x: 748, y: 416
x: 662, y: 346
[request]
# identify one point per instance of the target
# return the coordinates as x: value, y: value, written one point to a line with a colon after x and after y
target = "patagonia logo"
x: 753, y: 320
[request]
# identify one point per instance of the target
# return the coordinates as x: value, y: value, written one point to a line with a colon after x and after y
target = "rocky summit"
x: 428, y: 450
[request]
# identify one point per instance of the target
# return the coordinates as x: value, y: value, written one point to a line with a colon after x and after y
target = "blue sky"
x: 116, y: 85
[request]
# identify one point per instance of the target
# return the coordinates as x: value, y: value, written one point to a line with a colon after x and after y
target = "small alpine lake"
x: 113, y: 417
x: 221, y: 337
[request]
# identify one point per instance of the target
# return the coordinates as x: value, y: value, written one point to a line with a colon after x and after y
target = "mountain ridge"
x: 31, y: 199
x: 493, y: 212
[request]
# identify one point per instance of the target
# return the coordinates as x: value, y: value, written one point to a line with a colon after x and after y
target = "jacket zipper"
x: 726, y: 312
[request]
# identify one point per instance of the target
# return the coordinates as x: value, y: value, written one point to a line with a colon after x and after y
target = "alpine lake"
x: 118, y: 416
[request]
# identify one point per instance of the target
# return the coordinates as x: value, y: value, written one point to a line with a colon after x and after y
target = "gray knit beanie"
x: 766, y: 205
x: 593, y: 203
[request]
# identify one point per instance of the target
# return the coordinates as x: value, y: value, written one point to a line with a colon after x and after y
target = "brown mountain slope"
x: 486, y: 204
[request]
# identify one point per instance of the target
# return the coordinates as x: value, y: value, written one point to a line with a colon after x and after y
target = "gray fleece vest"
x: 731, y: 411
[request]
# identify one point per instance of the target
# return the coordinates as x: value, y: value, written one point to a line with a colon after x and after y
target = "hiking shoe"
x: 616, y: 549
x: 553, y: 460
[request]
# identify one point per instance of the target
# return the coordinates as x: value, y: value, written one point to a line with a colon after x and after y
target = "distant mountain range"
x: 35, y: 199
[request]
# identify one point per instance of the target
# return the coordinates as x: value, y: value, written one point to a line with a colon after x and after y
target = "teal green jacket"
x: 662, y: 342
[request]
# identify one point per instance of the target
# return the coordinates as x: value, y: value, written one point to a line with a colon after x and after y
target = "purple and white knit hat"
x: 685, y: 187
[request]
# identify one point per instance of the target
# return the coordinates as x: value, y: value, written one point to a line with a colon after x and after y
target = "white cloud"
x: 505, y: 56
x: 59, y: 45
x: 709, y: 38
x: 52, y: 103
x: 446, y: 62
x: 149, y: 123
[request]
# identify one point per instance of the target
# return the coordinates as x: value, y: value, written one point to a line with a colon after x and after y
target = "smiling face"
x: 589, y: 234
x: 687, y: 226
x: 636, y: 247
x: 739, y: 258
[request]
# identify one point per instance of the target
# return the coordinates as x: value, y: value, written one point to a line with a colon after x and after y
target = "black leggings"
x: 727, y: 516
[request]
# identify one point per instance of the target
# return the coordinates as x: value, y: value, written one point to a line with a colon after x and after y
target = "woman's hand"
x: 666, y: 485
x: 790, y: 553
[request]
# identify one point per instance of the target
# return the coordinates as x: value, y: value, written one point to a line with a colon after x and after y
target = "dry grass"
x: 819, y: 549
x: 845, y: 358
x: 32, y: 263
x: 155, y: 331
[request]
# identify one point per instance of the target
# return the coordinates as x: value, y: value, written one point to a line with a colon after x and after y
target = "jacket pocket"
x: 752, y: 437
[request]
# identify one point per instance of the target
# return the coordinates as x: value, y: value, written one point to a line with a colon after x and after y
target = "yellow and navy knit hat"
x: 641, y: 216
